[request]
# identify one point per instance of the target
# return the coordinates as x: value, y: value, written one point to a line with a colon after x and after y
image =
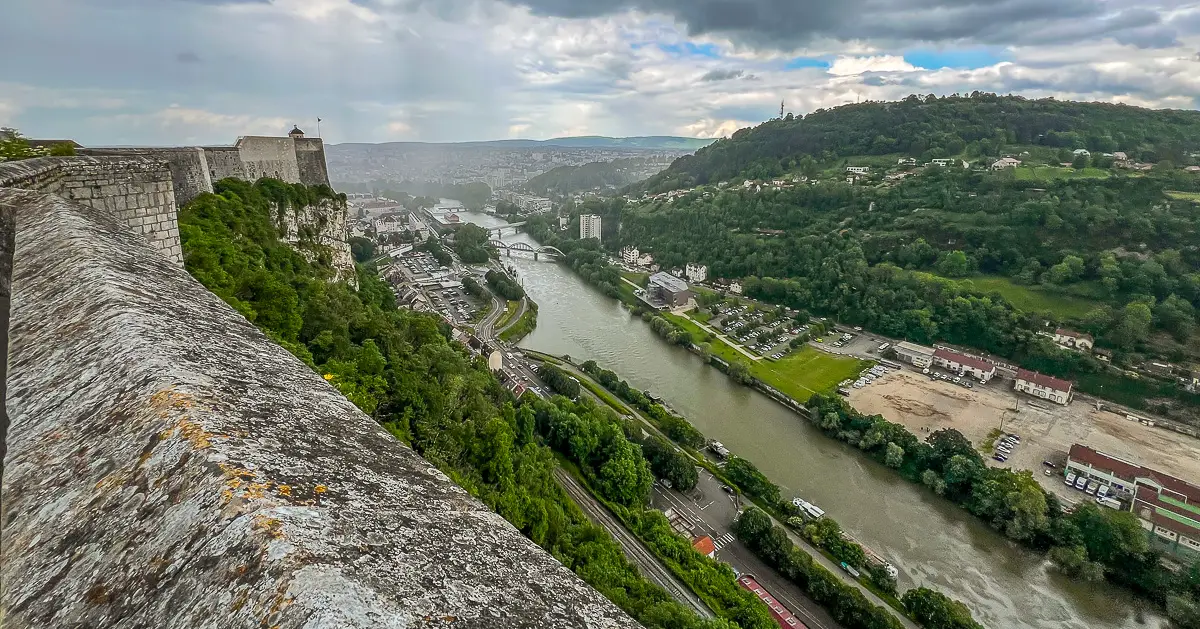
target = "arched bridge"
x: 499, y: 231
x: 527, y: 248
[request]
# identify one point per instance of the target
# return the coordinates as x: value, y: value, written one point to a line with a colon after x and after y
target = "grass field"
x: 510, y: 311
x: 807, y: 371
x: 799, y: 374
x: 1194, y: 197
x: 636, y: 278
x: 1033, y: 298
x: 1047, y: 173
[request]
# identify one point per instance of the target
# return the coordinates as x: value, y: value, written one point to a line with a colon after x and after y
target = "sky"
x: 183, y: 72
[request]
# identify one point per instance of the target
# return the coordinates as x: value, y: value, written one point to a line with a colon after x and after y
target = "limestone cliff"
x: 320, y: 232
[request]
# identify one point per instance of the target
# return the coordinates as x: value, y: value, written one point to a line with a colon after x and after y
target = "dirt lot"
x: 1047, y: 430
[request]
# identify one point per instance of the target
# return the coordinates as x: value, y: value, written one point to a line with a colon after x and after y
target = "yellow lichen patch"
x: 272, y: 527
x: 284, y: 490
x: 256, y: 490
x: 319, y: 489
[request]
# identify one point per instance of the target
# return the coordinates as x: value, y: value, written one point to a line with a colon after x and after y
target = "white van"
x: 1070, y: 479
x: 1081, y: 482
x: 1102, y: 492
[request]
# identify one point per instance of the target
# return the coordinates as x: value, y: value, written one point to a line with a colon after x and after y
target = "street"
x: 711, y: 510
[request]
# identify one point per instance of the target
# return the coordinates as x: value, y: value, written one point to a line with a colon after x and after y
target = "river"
x: 930, y: 540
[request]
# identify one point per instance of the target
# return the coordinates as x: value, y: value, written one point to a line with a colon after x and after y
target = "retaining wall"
x: 169, y: 466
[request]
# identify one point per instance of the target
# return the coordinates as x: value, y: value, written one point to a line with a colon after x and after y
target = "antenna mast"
x: 781, y: 110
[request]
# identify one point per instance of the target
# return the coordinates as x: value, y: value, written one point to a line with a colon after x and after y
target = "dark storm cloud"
x: 790, y: 23
x: 722, y: 75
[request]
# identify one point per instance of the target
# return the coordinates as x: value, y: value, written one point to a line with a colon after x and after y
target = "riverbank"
x: 925, y: 535
x: 779, y: 512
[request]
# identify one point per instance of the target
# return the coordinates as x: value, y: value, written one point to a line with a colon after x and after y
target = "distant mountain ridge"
x: 653, y: 142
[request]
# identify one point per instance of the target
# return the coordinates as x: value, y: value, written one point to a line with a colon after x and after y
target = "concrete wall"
x: 310, y: 160
x: 137, y: 189
x: 169, y: 466
x: 268, y: 157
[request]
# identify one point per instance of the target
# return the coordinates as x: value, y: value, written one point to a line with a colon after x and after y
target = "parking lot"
x: 762, y: 332
x: 442, y: 286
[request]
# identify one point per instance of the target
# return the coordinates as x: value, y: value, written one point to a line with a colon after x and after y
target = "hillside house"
x: 858, y: 170
x: 1074, y: 340
x: 1043, y: 386
x: 391, y: 222
x: 948, y: 162
x: 735, y: 287
x: 696, y: 273
x: 963, y: 364
x: 1083, y: 152
x: 629, y: 255
x: 1005, y: 162
x: 906, y: 161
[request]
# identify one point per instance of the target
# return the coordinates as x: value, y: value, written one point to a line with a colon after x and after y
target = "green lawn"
x: 510, y: 311
x: 700, y: 314
x: 799, y: 374
x: 636, y: 278
x: 807, y: 371
x: 1194, y: 197
x: 1035, y: 298
x: 1047, y: 173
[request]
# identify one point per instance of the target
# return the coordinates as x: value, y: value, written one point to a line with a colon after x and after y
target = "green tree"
x: 954, y: 264
x: 894, y: 457
x: 935, y: 610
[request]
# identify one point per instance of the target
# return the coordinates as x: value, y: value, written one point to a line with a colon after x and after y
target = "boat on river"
x: 808, y: 508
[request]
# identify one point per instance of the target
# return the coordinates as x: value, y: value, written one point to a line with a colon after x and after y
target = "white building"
x: 589, y: 226
x: 1083, y: 152
x: 946, y: 162
x: 858, y: 170
x: 564, y: 222
x: 391, y: 222
x: 1074, y: 340
x: 913, y: 354
x: 906, y: 161
x: 629, y: 255
x: 696, y: 273
x: 1006, y: 162
x: 963, y: 364
x: 645, y: 260
x: 735, y: 287
x: 1043, y: 386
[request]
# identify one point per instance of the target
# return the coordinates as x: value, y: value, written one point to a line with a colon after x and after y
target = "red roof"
x: 1046, y: 381
x: 1101, y: 461
x: 704, y: 545
x: 780, y: 613
x: 968, y: 361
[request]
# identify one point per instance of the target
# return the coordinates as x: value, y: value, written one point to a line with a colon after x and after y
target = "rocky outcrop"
x: 320, y: 231
x: 169, y: 466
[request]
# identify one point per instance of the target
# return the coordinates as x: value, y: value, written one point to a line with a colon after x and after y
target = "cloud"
x: 206, y: 71
x: 722, y: 75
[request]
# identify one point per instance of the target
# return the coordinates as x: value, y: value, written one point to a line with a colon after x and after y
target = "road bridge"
x: 553, y: 252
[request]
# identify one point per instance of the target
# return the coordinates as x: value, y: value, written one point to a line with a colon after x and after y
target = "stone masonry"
x: 136, y: 189
x: 169, y: 466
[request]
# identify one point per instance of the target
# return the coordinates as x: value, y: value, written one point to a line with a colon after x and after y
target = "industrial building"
x: 913, y: 354
x: 981, y: 369
x: 668, y: 289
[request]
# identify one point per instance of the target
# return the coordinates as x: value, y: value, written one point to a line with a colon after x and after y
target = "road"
x: 485, y: 329
x: 715, y: 519
x: 647, y: 563
x: 524, y: 305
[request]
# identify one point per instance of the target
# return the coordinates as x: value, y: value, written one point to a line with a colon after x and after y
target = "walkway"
x: 725, y: 339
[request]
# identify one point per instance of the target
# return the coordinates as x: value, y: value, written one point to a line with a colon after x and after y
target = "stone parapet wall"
x: 169, y: 466
x: 135, y: 188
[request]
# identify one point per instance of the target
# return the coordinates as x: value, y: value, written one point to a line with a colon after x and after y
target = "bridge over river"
x: 536, y: 250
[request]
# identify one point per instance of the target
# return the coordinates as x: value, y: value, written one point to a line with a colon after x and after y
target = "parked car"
x: 1070, y: 479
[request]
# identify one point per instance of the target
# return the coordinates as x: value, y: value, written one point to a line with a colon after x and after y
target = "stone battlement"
x: 169, y: 466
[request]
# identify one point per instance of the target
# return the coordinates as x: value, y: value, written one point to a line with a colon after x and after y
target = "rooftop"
x: 914, y: 348
x: 668, y: 282
x: 963, y: 359
x: 1050, y: 382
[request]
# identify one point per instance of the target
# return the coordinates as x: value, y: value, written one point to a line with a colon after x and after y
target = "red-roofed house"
x: 1168, y: 507
x: 1043, y: 386
x: 1074, y: 340
x: 705, y: 546
x: 961, y: 363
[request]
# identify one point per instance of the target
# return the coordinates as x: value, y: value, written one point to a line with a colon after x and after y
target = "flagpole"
x: 318, y: 127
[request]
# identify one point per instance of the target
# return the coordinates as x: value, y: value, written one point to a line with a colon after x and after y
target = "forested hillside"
x: 978, y: 125
x: 616, y: 173
x: 400, y: 367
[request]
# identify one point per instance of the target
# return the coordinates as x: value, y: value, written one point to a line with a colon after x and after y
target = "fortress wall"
x: 136, y: 188
x: 269, y: 157
x: 189, y: 167
x: 169, y: 466
x: 310, y: 160
x: 224, y: 161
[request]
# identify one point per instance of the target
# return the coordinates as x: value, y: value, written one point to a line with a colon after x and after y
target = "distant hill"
x: 658, y: 142
x: 615, y: 174
x: 979, y: 125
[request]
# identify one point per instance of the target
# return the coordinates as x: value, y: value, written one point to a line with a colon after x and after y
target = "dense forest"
x: 944, y: 255
x: 401, y: 368
x: 928, y: 127
x: 617, y: 173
